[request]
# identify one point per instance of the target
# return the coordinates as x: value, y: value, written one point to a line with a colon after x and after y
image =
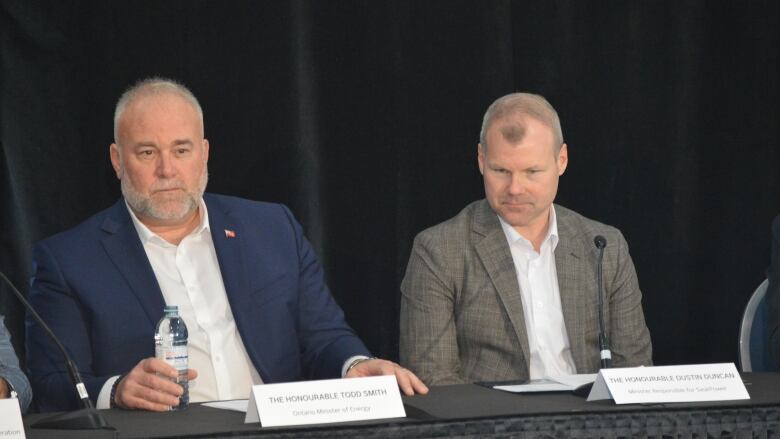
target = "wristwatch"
x: 358, y: 361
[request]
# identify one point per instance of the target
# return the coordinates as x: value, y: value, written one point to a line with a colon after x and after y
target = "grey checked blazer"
x: 462, y: 315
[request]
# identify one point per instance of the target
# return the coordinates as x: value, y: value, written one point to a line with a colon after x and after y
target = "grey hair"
x: 521, y: 104
x: 155, y: 86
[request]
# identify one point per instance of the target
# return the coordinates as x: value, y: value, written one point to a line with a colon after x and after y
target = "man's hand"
x: 146, y: 386
x: 407, y: 381
x: 5, y: 392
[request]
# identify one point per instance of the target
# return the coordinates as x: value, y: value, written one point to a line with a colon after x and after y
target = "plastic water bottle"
x: 170, y: 345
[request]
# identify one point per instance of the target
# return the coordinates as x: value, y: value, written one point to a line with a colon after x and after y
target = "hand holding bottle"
x: 148, y: 386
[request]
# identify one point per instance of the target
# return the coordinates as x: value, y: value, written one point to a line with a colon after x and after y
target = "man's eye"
x: 146, y: 153
x: 181, y: 151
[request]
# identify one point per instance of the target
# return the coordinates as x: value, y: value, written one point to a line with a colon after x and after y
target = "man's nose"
x: 517, y: 184
x: 166, y: 166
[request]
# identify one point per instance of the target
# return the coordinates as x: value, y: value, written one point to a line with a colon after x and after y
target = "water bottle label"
x: 176, y: 356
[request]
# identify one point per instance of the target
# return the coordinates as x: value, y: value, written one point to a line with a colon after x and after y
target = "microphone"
x: 606, y: 354
x: 87, y: 418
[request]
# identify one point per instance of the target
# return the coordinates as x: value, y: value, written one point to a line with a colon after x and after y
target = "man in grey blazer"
x: 507, y: 288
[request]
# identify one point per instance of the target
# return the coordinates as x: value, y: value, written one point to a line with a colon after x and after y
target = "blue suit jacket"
x: 95, y: 286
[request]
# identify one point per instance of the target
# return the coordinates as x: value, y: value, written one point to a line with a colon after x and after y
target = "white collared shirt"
x: 548, y: 342
x: 188, y: 275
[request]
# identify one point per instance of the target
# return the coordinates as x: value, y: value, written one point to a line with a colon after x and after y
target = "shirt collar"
x: 147, y: 235
x: 512, y: 236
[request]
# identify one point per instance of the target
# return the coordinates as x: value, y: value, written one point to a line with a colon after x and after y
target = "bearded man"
x: 245, y: 279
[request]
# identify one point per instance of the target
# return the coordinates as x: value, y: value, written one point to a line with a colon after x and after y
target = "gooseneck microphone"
x: 87, y: 418
x: 606, y: 354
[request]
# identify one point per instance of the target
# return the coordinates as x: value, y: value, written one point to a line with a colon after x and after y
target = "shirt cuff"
x: 349, y: 361
x: 104, y: 399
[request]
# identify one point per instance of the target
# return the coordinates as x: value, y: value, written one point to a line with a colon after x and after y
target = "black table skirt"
x: 470, y: 411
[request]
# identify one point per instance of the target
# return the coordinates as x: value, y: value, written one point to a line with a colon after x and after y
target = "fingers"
x: 140, y: 398
x: 147, y: 387
x: 157, y: 366
x: 407, y: 381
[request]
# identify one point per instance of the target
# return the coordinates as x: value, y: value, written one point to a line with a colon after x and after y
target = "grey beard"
x: 145, y: 206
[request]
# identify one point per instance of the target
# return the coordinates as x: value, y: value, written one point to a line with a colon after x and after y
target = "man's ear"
x: 481, y: 158
x: 563, y: 159
x: 116, y: 161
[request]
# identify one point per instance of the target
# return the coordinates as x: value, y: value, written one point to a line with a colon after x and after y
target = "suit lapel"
x: 493, y: 251
x: 229, y: 238
x: 569, y: 260
x: 124, y: 248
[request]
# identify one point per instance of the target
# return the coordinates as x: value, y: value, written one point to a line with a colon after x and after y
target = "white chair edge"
x: 747, y: 325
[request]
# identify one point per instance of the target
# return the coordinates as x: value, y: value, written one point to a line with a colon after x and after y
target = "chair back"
x: 754, y: 355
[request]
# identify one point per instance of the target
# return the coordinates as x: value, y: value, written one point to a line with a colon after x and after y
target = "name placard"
x: 11, y: 419
x: 689, y: 383
x: 325, y: 401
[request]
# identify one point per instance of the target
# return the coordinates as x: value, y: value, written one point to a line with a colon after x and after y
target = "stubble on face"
x: 161, y: 158
x: 167, y: 199
x: 520, y: 172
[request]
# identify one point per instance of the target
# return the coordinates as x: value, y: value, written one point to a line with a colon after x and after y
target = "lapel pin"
x: 230, y: 233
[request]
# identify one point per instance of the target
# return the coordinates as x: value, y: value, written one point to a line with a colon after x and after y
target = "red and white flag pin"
x: 229, y: 233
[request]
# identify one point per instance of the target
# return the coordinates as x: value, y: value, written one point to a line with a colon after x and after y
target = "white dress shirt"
x: 538, y: 279
x: 188, y: 275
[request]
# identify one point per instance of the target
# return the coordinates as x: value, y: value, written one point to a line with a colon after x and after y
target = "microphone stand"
x: 605, y: 353
x: 87, y: 418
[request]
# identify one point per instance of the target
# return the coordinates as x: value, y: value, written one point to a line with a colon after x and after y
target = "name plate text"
x: 658, y: 384
x: 325, y: 401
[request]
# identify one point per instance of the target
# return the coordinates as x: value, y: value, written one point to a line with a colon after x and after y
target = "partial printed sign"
x: 659, y: 384
x: 325, y: 401
x: 11, y: 425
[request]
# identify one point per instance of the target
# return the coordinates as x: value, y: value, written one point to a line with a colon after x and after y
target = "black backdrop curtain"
x: 363, y: 117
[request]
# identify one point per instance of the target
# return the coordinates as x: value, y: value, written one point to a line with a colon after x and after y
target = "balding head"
x: 149, y: 87
x: 514, y: 109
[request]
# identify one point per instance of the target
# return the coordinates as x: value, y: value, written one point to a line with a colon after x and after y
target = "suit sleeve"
x: 325, y: 339
x: 629, y: 336
x: 773, y: 294
x: 10, y: 371
x: 52, y: 298
x: 428, y: 336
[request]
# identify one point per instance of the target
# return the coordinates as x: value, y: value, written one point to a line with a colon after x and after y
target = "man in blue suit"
x: 245, y: 279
